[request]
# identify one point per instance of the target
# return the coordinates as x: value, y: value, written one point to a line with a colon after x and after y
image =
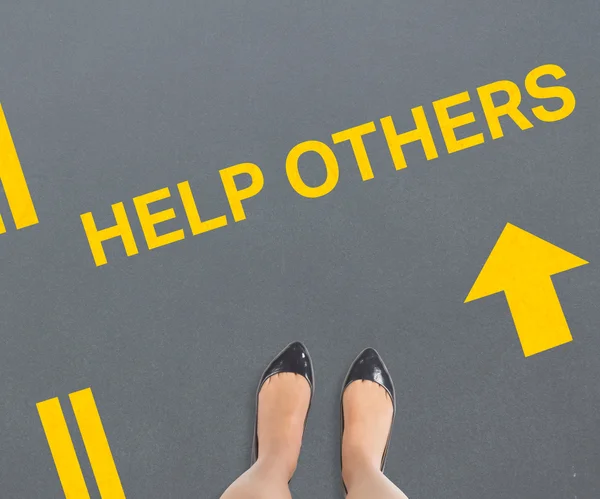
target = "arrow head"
x: 517, y: 258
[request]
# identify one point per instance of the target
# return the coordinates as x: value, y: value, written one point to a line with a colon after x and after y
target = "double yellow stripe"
x: 94, y: 440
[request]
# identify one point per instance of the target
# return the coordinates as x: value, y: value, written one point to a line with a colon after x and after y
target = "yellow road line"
x: 61, y: 447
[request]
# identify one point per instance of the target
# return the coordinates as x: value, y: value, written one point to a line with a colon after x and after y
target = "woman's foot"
x: 283, y: 403
x: 368, y: 415
x: 368, y: 407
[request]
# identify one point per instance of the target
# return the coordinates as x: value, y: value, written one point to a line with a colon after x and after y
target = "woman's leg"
x: 282, y: 406
x: 368, y: 412
x: 259, y: 482
x: 372, y: 483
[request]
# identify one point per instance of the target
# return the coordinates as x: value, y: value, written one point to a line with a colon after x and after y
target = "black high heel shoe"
x: 369, y: 366
x: 293, y: 359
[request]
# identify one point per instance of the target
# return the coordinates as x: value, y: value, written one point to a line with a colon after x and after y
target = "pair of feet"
x: 283, y: 403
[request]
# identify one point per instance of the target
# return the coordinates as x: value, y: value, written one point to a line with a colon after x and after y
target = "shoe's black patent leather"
x: 293, y: 359
x: 369, y: 366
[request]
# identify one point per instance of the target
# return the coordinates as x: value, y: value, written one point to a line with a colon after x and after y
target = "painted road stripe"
x: 94, y: 440
x: 61, y: 447
x: 96, y: 445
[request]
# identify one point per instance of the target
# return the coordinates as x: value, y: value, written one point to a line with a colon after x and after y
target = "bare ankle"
x: 277, y: 465
x: 357, y: 464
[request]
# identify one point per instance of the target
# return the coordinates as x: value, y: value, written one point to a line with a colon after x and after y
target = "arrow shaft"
x: 538, y: 316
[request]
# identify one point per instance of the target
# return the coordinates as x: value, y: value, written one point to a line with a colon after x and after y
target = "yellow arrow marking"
x: 521, y: 265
